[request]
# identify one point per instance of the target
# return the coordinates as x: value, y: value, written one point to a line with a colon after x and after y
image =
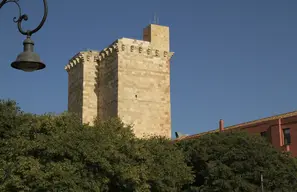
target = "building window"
x: 264, y: 134
x: 287, y: 136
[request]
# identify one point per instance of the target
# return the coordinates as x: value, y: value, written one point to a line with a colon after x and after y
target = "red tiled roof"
x: 263, y: 120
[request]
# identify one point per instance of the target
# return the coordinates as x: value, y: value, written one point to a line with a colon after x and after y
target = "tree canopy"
x: 56, y: 153
x: 234, y: 161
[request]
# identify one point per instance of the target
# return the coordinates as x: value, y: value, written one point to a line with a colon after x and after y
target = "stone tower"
x: 129, y: 79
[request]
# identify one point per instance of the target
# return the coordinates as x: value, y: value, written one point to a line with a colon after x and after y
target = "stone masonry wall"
x: 90, y: 93
x: 107, y: 86
x: 144, y: 88
x: 75, y: 85
x: 82, y: 95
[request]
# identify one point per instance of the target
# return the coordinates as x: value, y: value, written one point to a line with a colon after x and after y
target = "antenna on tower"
x: 156, y: 19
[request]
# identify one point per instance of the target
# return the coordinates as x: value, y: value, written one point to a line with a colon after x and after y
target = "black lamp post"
x: 28, y: 60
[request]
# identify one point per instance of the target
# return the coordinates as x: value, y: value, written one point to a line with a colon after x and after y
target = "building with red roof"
x: 280, y: 130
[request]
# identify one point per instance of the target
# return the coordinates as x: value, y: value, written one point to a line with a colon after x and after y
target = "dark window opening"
x: 135, y: 96
x: 264, y: 134
x: 287, y: 136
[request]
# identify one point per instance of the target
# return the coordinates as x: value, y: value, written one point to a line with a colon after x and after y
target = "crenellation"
x: 78, y: 58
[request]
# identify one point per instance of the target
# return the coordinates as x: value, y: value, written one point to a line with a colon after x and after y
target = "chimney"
x: 221, y: 125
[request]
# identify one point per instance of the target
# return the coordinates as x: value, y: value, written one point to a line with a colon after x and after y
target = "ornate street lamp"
x: 28, y: 60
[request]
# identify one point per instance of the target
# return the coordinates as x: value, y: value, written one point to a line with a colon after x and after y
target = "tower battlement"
x: 123, y: 45
x: 129, y: 79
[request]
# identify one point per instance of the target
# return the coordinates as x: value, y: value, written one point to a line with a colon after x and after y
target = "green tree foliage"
x: 57, y: 153
x: 234, y: 161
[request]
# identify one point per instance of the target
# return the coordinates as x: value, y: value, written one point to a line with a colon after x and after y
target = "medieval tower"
x: 129, y: 79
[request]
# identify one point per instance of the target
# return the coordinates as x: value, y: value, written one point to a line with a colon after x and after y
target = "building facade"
x: 280, y: 130
x: 129, y: 79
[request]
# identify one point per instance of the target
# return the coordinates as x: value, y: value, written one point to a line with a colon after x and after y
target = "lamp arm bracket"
x: 23, y: 17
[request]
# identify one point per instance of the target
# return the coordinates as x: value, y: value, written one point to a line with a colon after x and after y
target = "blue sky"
x: 234, y: 60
